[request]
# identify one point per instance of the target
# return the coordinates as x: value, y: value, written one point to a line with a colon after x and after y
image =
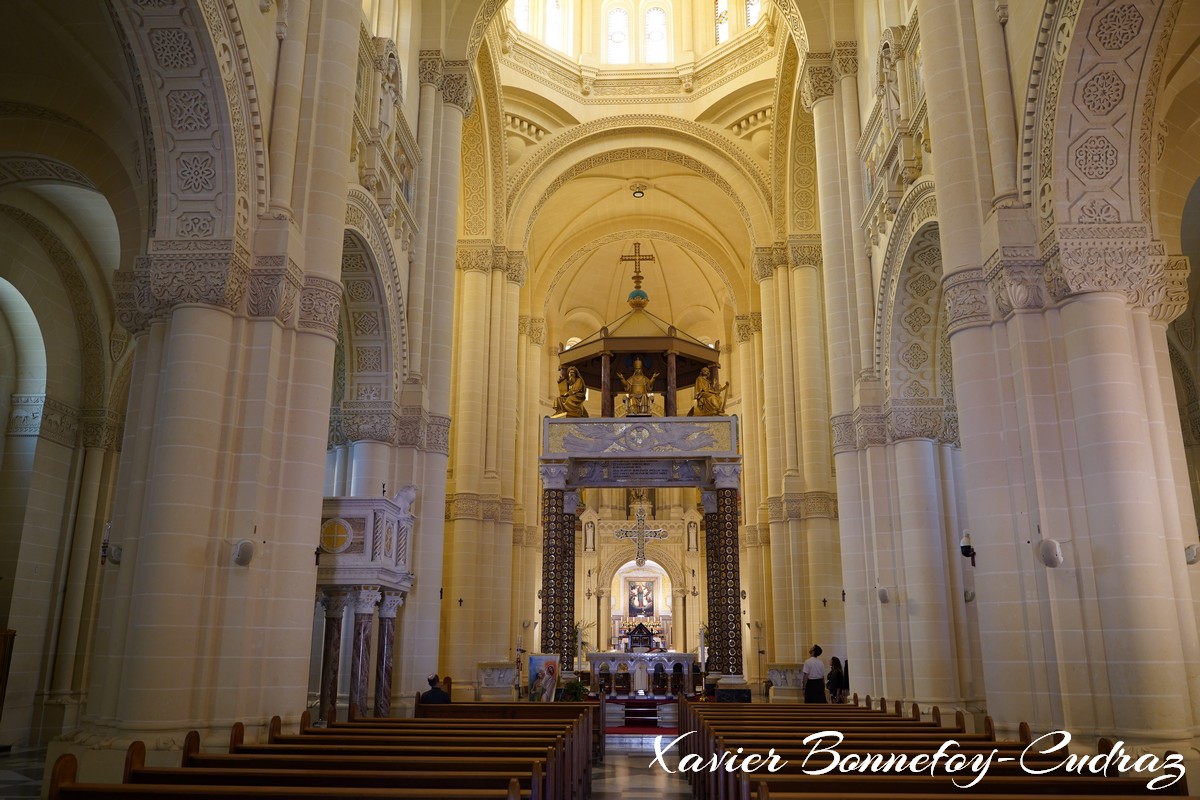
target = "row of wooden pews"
x: 437, y: 758
x: 795, y: 751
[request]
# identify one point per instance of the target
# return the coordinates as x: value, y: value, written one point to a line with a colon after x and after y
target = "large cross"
x: 640, y: 534
x: 637, y: 258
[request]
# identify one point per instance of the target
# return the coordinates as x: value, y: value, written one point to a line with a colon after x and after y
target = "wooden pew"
x: 569, y: 778
x: 533, y: 775
x: 517, y: 710
x: 576, y: 769
x: 932, y: 786
x: 64, y: 786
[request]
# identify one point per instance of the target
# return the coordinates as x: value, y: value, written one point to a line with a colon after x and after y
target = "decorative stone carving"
x: 1106, y: 258
x: 275, y: 283
x: 369, y: 420
x: 320, y: 302
x: 1103, y: 92
x: 173, y: 48
x: 1095, y: 157
x: 189, y: 111
x: 1099, y: 211
x: 818, y: 80
x: 763, y: 263
x: 473, y: 256
x: 457, y: 90
x: 98, y: 429
x: 915, y: 419
x: 1175, y: 292
x: 1119, y: 27
x: 515, y: 267
x: 845, y: 59
x: 966, y: 300
x: 870, y: 427
x: 537, y: 330
x: 431, y: 68
x: 843, y: 433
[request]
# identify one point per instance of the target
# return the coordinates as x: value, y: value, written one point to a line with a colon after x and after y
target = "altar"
x: 663, y: 673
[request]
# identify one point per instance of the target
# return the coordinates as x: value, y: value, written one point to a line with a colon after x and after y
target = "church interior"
x: 346, y: 342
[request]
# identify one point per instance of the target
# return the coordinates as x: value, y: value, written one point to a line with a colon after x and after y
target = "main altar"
x: 664, y: 673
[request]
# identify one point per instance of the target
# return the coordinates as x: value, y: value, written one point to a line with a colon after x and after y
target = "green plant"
x: 580, y: 627
x: 574, y: 691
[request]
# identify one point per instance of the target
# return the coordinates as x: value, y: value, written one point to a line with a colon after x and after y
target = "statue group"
x: 708, y: 396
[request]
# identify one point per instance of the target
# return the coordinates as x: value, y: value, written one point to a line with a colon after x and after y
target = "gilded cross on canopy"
x: 641, y: 534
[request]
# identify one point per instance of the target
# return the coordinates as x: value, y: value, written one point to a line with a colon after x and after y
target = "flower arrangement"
x: 651, y: 625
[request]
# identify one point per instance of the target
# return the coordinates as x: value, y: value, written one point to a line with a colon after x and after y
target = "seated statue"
x: 710, y: 398
x: 572, y: 393
x: 637, y: 389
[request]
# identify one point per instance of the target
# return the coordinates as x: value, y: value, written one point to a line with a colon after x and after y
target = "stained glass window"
x: 722, y: 19
x: 554, y: 24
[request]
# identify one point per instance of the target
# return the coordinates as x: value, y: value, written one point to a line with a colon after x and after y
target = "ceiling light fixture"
x: 638, y: 189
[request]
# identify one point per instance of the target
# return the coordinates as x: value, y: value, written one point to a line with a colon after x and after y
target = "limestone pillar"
x: 997, y: 99
x: 385, y: 656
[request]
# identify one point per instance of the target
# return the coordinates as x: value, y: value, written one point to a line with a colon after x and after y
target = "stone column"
x: 385, y: 655
x: 558, y: 567
x: 331, y: 653
x: 365, y: 599
x: 997, y: 100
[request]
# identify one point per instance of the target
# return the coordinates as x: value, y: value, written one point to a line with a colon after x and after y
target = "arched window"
x: 753, y: 11
x: 522, y: 15
x: 618, y: 36
x: 554, y: 24
x: 722, y: 20
x: 656, y: 36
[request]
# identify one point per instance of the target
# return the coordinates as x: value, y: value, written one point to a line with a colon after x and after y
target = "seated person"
x: 436, y: 693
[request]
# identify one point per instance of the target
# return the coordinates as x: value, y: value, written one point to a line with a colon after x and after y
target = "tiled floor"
x: 626, y: 774
x: 21, y: 773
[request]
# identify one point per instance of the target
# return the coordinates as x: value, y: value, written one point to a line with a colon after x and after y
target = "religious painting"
x: 641, y: 598
x: 543, y: 678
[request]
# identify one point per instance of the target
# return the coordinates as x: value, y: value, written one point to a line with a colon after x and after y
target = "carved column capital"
x: 818, y: 81
x: 554, y: 476
x: 845, y: 59
x: 334, y: 602
x: 474, y: 255
x: 431, y: 68
x: 390, y: 605
x: 1106, y: 258
x: 366, y: 598
x: 762, y: 263
x: 457, y: 87
x: 516, y: 266
x: 320, y: 305
x: 965, y: 294
x: 804, y: 251
x: 1015, y: 280
x: 275, y: 283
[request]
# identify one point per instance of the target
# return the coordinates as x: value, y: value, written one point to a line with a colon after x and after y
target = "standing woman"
x: 835, y: 680
x: 812, y: 677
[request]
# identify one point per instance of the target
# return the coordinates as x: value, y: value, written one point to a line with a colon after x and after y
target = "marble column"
x: 724, y: 578
x: 558, y: 567
x: 389, y: 606
x: 331, y: 653
x: 365, y: 599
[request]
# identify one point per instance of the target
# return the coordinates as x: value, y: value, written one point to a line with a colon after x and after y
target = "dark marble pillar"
x: 558, y: 567
x: 331, y: 654
x: 385, y: 657
x: 670, y: 408
x: 607, y: 403
x: 721, y: 519
x: 365, y: 600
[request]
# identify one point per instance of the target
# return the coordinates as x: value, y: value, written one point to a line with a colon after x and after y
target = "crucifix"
x: 637, y: 258
x: 640, y: 534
